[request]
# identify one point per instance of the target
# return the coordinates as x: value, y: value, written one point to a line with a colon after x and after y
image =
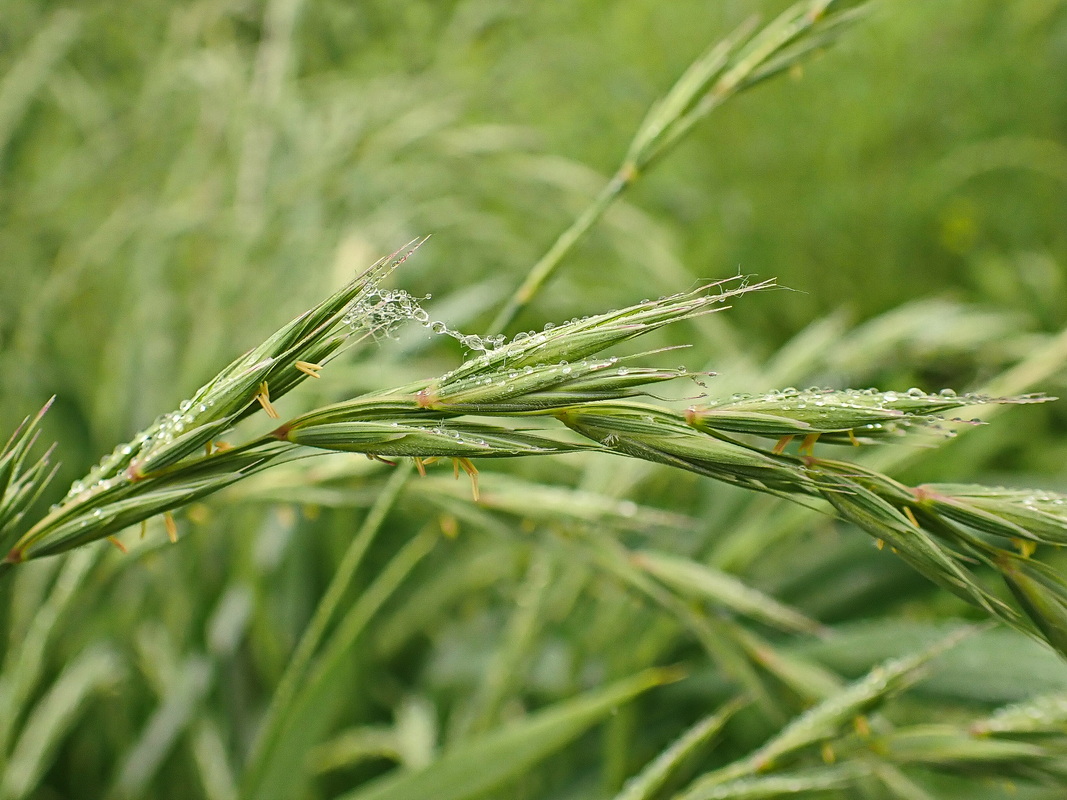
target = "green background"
x: 179, y: 179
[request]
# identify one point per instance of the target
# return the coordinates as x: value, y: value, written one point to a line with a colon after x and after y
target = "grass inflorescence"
x: 559, y: 374
x: 341, y: 627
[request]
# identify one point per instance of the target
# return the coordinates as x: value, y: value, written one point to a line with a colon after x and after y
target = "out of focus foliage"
x: 178, y: 179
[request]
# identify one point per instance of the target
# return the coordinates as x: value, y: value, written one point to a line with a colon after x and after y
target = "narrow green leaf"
x: 824, y: 720
x: 53, y: 717
x: 1042, y: 714
x: 170, y: 719
x: 788, y: 784
x: 485, y: 762
x: 690, y: 578
x: 659, y: 771
x: 945, y: 745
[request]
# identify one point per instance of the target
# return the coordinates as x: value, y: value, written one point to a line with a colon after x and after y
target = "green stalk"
x: 299, y: 665
x: 735, y: 64
x: 541, y: 272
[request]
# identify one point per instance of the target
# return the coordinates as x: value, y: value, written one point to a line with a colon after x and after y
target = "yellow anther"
x: 471, y: 470
x: 263, y: 396
x: 449, y: 526
x: 828, y: 755
x: 171, y: 526
x: 309, y: 368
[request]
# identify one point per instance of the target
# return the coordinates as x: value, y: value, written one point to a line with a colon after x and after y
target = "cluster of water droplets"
x: 382, y: 311
x: 864, y: 399
x: 1028, y: 716
x: 458, y: 437
x: 1041, y: 499
x: 110, y: 470
x: 170, y: 426
x: 102, y: 476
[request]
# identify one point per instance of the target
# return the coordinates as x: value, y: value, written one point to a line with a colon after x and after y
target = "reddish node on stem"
x: 14, y: 556
x: 426, y: 398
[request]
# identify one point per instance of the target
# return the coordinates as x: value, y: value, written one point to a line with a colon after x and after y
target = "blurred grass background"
x: 176, y: 180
